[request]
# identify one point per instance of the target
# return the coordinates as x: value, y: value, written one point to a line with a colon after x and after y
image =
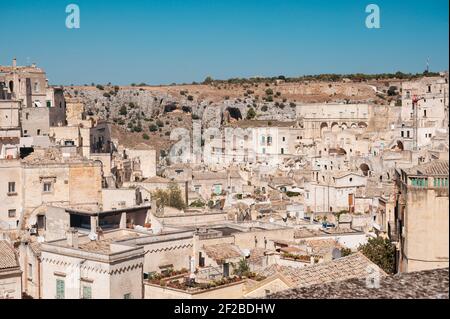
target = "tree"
x: 381, y: 252
x: 346, y: 252
x: 145, y: 136
x: 175, y: 197
x: 100, y: 87
x: 153, y: 128
x: 251, y: 113
x: 171, y: 197
x: 123, y: 110
x: 269, y: 92
x: 242, y: 268
x: 208, y: 80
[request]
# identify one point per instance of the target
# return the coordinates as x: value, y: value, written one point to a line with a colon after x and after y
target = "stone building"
x: 27, y: 97
x: 9, y: 119
x: 11, y: 193
x: 317, y: 118
x: 45, y: 177
x: 10, y: 273
x: 430, y: 113
x: 422, y: 223
x: 81, y: 268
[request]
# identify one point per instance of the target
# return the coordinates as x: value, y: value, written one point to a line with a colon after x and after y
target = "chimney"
x: 14, y: 63
x: 72, y: 237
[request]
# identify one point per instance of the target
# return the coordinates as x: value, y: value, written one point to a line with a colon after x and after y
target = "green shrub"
x: 123, y: 110
x: 251, y: 114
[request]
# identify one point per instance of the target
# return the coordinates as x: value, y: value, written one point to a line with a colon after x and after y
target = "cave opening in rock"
x: 235, y: 113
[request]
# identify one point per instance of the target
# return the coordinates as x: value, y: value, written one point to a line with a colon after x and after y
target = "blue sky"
x: 165, y: 41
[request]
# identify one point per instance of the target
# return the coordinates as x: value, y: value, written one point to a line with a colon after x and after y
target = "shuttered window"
x: 60, y: 289
x: 87, y: 292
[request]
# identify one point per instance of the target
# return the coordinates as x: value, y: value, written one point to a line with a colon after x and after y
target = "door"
x: 350, y: 202
x: 226, y: 270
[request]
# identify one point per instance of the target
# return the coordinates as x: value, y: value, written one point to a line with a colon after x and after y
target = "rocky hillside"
x: 154, y: 111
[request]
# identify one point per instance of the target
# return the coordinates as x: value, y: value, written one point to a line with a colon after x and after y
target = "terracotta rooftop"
x: 428, y: 284
x: 208, y: 175
x: 8, y: 257
x: 221, y: 252
x: 438, y: 167
x: 51, y: 156
x: 156, y: 179
x: 353, y: 266
x: 9, y: 140
x: 35, y: 248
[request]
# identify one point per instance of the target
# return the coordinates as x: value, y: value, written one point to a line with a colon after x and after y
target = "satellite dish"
x: 336, y: 253
x: 271, y: 220
x: 246, y: 252
x: 92, y: 236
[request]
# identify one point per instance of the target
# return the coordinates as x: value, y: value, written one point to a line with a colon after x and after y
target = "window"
x: 284, y: 139
x: 127, y: 296
x: 30, y: 271
x: 282, y: 151
x: 87, y: 292
x: 49, y: 103
x: 47, y: 187
x: 403, y: 134
x: 60, y: 289
x: 11, y: 187
x: 11, y: 213
x: 38, y: 132
x: 27, y: 115
x: 218, y: 189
